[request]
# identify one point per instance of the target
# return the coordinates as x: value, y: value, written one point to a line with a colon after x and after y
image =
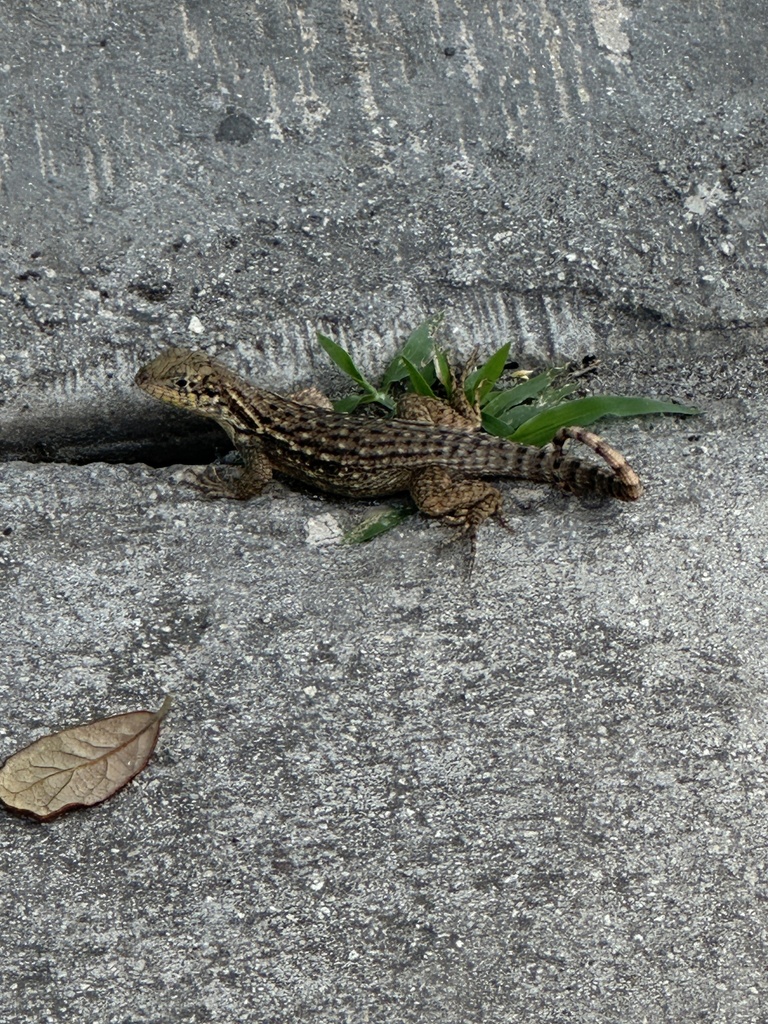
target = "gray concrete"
x: 384, y: 793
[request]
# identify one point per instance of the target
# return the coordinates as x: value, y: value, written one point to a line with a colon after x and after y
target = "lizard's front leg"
x: 246, y: 482
x: 257, y: 469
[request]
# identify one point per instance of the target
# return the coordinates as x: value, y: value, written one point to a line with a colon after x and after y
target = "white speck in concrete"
x: 323, y: 530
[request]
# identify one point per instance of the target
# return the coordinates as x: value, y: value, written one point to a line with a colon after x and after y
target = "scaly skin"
x: 432, y: 450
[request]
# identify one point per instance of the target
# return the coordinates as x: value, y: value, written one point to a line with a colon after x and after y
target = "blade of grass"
x: 553, y: 396
x: 506, y: 425
x: 498, y: 401
x: 493, y: 425
x: 351, y: 402
x: 417, y: 350
x: 540, y: 429
x: 383, y: 520
x: 520, y: 414
x: 418, y: 384
x: 344, y: 361
x: 443, y: 371
x: 481, y: 380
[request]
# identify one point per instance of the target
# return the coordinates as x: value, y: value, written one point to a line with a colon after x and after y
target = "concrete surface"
x: 385, y: 794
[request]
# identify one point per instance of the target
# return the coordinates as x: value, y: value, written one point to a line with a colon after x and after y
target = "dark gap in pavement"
x: 197, y: 443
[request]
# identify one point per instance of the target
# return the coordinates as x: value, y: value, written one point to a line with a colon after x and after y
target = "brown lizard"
x: 432, y: 449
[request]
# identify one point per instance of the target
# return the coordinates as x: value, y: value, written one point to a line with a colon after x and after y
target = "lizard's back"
x: 365, y: 458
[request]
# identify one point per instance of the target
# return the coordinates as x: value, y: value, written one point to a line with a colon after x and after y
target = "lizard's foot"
x: 503, y: 522
x: 238, y: 482
x: 426, y: 409
x: 213, y: 485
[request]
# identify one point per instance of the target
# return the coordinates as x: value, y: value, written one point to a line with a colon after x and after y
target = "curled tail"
x: 615, y: 480
x: 485, y: 456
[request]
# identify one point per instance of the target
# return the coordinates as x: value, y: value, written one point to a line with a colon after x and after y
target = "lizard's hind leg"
x: 456, y: 501
x: 456, y: 412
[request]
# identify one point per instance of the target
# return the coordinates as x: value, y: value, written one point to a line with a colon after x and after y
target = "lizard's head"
x: 184, y: 378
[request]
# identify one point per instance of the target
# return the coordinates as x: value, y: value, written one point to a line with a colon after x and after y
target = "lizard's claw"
x: 212, y: 485
x: 504, y: 522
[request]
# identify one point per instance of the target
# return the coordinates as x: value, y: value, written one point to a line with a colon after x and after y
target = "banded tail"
x: 550, y: 465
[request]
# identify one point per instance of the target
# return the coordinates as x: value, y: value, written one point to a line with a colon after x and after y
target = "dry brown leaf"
x: 80, y: 766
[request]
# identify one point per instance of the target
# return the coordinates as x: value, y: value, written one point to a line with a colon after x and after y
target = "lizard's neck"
x: 244, y: 410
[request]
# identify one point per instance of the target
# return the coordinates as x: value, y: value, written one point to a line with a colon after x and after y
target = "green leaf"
x: 350, y: 402
x: 385, y: 519
x: 493, y: 425
x: 443, y: 370
x: 498, y: 401
x: 343, y: 360
x: 481, y: 380
x: 417, y: 350
x: 513, y: 418
x: 553, y: 396
x: 540, y: 429
x: 418, y: 384
x: 506, y: 425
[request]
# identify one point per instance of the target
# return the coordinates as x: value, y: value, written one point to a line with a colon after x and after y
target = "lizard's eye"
x: 181, y: 383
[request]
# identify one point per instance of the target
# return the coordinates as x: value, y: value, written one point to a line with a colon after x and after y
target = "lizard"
x: 432, y: 449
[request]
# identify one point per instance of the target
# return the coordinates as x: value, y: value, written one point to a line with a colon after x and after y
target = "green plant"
x: 531, y: 411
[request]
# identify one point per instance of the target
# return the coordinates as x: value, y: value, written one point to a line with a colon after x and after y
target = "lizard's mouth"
x: 146, y: 382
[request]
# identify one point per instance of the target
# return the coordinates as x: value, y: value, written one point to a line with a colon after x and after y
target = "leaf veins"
x: 81, y: 766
